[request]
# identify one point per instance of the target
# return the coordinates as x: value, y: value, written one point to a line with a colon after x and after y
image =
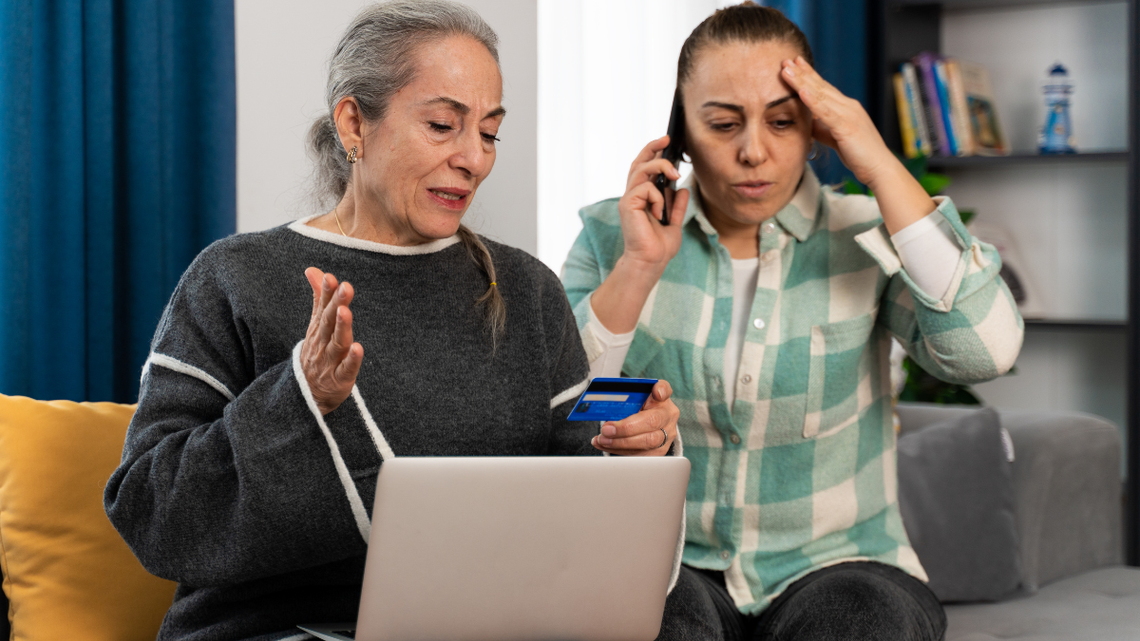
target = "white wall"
x: 282, y: 49
x: 607, y: 71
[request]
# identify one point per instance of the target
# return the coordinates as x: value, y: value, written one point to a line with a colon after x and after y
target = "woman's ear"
x: 350, y: 124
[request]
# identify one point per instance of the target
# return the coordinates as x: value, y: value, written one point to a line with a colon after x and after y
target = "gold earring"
x: 351, y: 157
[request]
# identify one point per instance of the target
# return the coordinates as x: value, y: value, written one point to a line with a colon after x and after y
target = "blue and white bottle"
x: 1057, y: 134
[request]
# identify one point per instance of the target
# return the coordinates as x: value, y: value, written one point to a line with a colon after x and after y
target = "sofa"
x: 1067, y: 505
x: 1053, y: 554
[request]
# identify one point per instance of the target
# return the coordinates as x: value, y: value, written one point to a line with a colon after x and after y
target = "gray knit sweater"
x: 233, y: 485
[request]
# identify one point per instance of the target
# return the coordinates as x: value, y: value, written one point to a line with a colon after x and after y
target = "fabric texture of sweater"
x: 234, y: 485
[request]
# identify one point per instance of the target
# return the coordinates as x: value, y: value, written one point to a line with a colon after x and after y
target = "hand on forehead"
x: 740, y: 73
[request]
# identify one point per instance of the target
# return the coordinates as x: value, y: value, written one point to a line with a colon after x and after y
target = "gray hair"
x: 373, y: 61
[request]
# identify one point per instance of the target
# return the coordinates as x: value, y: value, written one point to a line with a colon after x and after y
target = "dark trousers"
x: 858, y: 601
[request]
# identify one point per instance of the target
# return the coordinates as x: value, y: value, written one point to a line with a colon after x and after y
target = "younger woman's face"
x: 748, y: 133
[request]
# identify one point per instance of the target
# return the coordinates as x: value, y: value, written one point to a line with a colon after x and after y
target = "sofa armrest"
x: 1066, y: 484
x: 1067, y: 489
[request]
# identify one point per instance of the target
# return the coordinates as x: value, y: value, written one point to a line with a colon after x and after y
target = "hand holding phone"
x: 673, y: 153
x: 651, y: 244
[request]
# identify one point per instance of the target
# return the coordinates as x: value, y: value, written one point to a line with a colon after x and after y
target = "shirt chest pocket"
x: 839, y: 385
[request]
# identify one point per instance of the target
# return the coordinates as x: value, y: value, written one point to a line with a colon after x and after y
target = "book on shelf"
x: 982, y: 111
x: 906, y: 118
x: 949, y: 106
x: 1013, y: 271
x: 959, y: 108
x: 942, y: 86
x: 914, y: 98
x: 924, y: 67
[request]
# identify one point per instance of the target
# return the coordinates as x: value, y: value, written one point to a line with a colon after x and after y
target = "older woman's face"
x: 424, y: 161
x: 748, y: 133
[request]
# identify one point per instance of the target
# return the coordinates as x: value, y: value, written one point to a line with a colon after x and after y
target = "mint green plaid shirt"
x: 800, y: 472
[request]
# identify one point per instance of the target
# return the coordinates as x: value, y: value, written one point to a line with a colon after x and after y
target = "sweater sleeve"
x: 228, y: 476
x: 973, y: 332
x: 569, y: 374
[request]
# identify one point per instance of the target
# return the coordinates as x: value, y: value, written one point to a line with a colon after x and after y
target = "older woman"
x: 770, y: 302
x: 250, y: 466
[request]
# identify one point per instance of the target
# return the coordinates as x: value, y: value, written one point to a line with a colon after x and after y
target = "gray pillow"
x: 956, y: 499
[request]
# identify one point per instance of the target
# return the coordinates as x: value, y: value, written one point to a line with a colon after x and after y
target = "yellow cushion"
x: 67, y: 573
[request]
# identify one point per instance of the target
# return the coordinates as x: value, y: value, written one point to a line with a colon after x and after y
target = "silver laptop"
x: 519, y: 548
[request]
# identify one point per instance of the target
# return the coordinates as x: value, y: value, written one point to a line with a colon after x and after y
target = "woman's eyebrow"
x: 740, y: 109
x: 724, y: 105
x: 464, y: 109
x: 780, y: 101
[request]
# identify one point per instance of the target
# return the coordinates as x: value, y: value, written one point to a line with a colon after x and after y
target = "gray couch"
x: 1068, y: 511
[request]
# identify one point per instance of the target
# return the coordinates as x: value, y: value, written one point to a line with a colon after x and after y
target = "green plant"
x: 923, y: 387
x: 933, y: 183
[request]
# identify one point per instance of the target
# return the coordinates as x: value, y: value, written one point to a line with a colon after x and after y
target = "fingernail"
x: 604, y: 441
x: 801, y: 60
x: 791, y: 72
x: 609, y: 430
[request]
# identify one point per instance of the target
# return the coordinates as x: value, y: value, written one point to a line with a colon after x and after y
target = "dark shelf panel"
x: 964, y: 162
x: 1077, y: 325
x: 988, y: 4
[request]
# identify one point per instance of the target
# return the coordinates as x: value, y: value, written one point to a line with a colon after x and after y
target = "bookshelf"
x: 1088, y: 345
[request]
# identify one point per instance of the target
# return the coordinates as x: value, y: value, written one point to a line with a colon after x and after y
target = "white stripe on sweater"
x: 569, y: 394
x: 382, y: 446
x: 678, y: 450
x: 431, y: 247
x: 354, y: 501
x: 184, y: 368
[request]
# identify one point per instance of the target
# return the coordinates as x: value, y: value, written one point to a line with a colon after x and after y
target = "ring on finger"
x: 664, y: 438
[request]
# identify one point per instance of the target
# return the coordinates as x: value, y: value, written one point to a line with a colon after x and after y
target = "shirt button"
x: 758, y: 323
x: 735, y: 439
x: 746, y: 379
x: 724, y: 554
x: 769, y: 256
x: 769, y: 227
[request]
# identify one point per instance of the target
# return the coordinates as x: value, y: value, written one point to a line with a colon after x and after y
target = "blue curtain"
x: 117, y: 166
x: 837, y: 32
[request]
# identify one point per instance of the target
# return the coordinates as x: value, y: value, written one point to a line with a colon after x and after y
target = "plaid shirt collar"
x: 798, y: 217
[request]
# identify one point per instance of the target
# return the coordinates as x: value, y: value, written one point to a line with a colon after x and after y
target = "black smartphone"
x: 672, y: 153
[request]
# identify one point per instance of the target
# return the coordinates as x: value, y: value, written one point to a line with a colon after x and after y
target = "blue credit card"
x: 612, y: 399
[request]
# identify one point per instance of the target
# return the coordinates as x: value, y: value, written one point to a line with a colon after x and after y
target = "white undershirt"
x: 927, y: 248
x: 745, y: 273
